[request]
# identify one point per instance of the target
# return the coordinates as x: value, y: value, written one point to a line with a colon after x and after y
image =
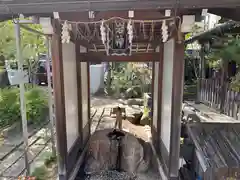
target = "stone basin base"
x: 102, y: 153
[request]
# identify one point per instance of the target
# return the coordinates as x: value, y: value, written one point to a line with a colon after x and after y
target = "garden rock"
x: 135, y: 101
x: 122, y: 101
x: 14, y: 127
x: 134, y: 118
x: 188, y: 112
x: 101, y: 153
x: 133, y: 114
x: 131, y: 118
x: 133, y: 92
x: 133, y: 155
x: 145, y: 120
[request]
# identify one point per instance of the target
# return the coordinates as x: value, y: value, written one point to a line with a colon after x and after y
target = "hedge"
x: 36, y: 105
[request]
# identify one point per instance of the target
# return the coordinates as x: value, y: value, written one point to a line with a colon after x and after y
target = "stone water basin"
x: 101, y: 160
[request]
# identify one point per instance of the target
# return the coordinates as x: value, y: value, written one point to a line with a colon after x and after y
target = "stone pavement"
x: 209, y: 115
x: 12, y: 160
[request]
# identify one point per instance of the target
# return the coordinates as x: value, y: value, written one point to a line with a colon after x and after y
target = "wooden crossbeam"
x: 102, y: 57
x: 47, y: 6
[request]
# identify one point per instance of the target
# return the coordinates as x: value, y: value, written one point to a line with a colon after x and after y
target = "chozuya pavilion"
x: 85, y: 31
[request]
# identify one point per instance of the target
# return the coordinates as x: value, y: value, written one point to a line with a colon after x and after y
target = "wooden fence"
x: 209, y: 93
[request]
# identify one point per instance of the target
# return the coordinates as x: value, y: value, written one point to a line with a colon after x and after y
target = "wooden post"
x: 223, y: 85
x: 119, y: 119
x: 118, y: 111
x: 84, y: 81
x: 58, y: 89
x: 157, y: 98
x: 177, y: 94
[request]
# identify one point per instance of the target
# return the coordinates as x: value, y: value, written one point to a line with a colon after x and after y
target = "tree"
x: 226, y: 48
x: 32, y: 46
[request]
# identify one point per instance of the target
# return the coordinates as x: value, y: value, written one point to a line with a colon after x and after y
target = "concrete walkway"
x: 11, y: 151
x: 209, y: 115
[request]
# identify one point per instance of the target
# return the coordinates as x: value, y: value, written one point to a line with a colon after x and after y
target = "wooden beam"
x: 37, y: 6
x: 177, y: 94
x: 83, y: 15
x: 156, y: 130
x: 79, y: 86
x: 99, y: 15
x: 90, y: 44
x: 102, y: 57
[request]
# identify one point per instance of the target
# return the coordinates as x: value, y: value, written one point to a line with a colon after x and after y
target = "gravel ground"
x: 110, y: 175
x: 115, y: 175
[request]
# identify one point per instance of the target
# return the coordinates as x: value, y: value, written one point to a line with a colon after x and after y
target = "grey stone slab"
x: 4, y: 150
x: 16, y: 169
x: 10, y: 159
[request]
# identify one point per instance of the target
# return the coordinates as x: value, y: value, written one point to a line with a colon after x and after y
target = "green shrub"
x: 40, y: 173
x: 132, y: 80
x: 50, y: 160
x: 235, y: 83
x: 9, y: 106
x: 36, y: 105
x: 2, y: 69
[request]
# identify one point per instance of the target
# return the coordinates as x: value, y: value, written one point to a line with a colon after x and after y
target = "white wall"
x: 70, y: 90
x: 85, y: 95
x: 96, y: 78
x: 155, y: 94
x: 167, y: 93
x: 212, y: 20
x: 84, y: 84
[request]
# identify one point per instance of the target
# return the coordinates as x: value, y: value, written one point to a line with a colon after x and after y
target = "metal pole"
x: 22, y: 98
x: 50, y: 101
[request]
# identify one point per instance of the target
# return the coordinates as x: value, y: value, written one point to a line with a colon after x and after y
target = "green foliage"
x: 45, y: 171
x: 50, y: 160
x: 9, y: 106
x: 40, y: 173
x: 131, y: 79
x: 2, y: 69
x: 32, y: 44
x: 36, y: 105
x: 195, y: 30
x: 235, y: 83
x: 228, y: 49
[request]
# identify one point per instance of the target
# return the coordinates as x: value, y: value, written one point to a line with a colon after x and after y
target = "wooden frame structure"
x: 168, y: 69
x: 168, y: 63
x: 71, y: 73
